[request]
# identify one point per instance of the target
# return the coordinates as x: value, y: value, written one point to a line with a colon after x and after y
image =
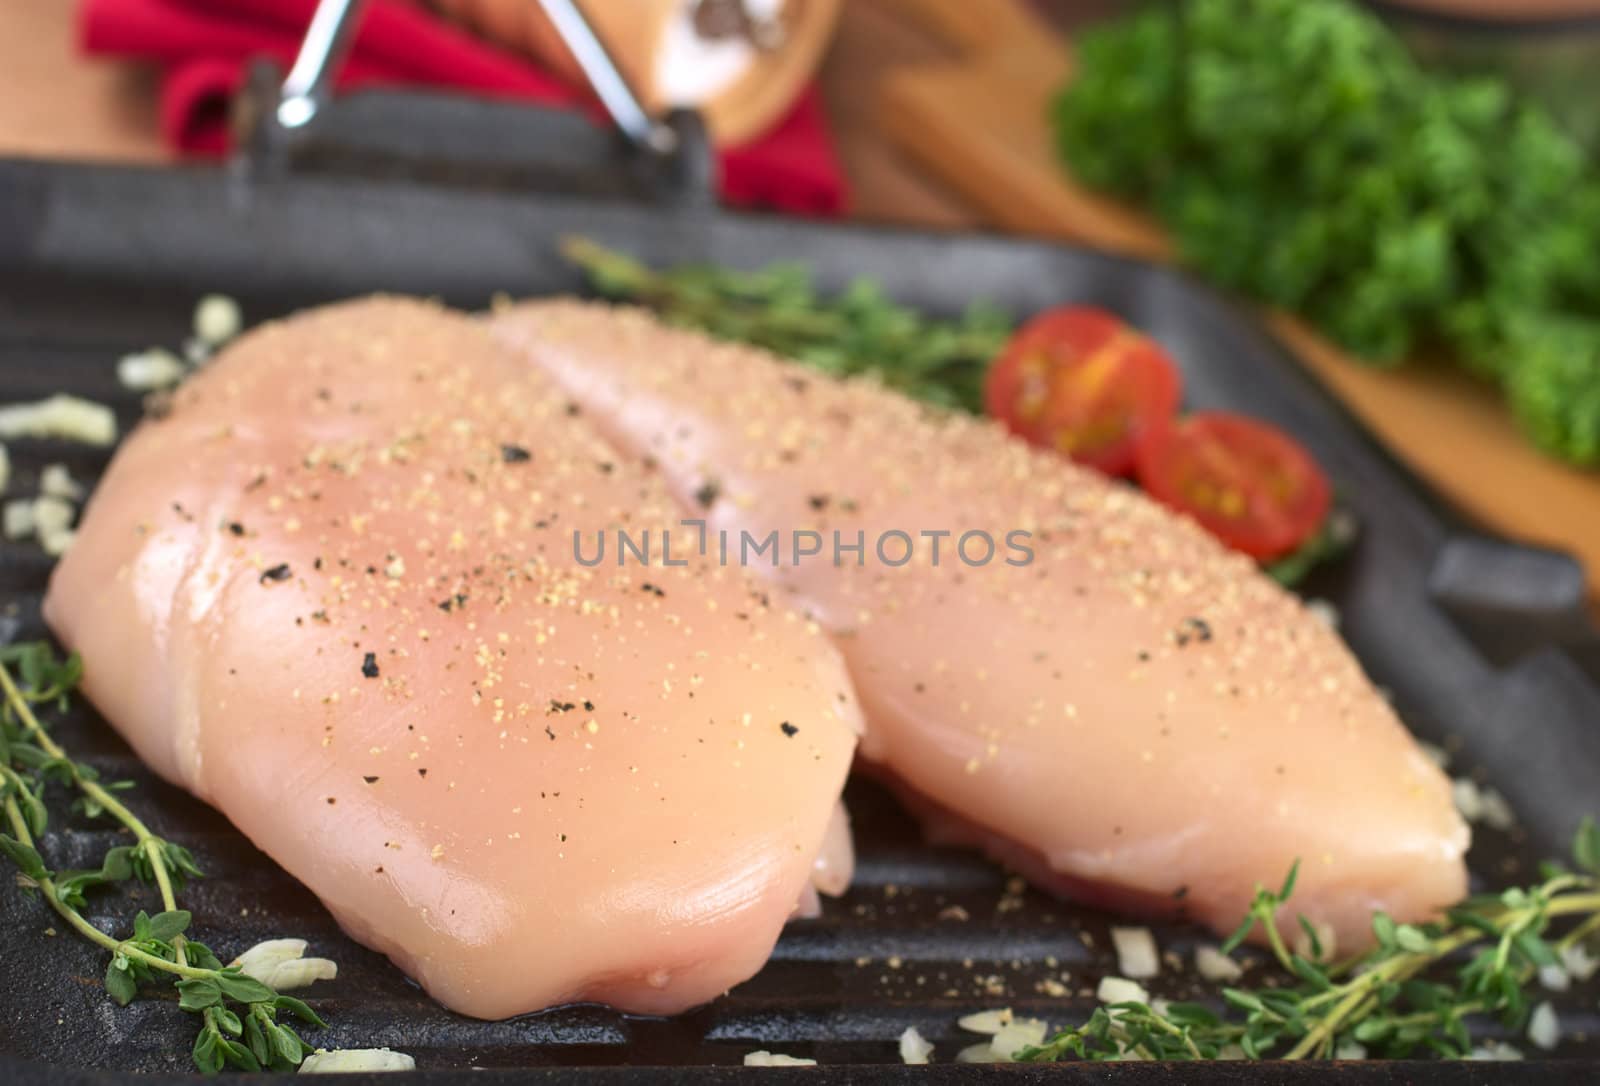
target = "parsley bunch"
x: 239, y: 1014
x: 1298, y: 154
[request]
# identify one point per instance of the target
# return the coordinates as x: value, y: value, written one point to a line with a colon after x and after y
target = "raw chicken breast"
x: 1136, y: 715
x: 334, y: 594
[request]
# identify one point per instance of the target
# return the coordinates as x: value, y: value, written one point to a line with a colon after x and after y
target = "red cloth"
x: 204, y: 45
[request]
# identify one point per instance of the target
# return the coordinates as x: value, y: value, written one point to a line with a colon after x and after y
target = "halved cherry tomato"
x: 1252, y: 485
x: 1078, y: 380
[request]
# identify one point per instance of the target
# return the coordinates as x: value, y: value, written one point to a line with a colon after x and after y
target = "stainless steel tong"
x: 309, y: 84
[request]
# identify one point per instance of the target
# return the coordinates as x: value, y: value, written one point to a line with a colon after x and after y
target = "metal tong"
x: 307, y: 90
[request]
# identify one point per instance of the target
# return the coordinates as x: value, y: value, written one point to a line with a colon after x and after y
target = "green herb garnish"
x: 858, y: 332
x: 1390, y: 1000
x: 1330, y: 542
x: 239, y: 1015
x: 1297, y: 153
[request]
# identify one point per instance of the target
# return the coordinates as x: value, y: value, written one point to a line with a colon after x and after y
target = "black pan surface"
x: 1480, y: 643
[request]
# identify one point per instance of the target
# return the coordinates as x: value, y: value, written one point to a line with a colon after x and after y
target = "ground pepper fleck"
x: 279, y: 572
x: 515, y: 454
x: 789, y: 729
x: 369, y: 665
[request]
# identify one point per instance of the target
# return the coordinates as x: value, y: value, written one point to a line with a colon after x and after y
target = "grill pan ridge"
x: 98, y: 261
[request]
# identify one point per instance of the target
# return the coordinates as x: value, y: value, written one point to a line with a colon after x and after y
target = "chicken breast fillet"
x: 334, y: 593
x: 1129, y: 712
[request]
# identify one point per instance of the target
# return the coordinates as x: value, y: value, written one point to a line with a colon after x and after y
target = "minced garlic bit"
x: 1436, y: 754
x: 51, y: 514
x: 1554, y: 978
x: 1020, y: 1034
x: 1324, y: 610
x: 1137, y: 956
x: 1481, y: 804
x: 1579, y: 963
x: 1120, y: 990
x: 281, y: 965
x: 986, y: 1021
x: 56, y: 481
x: 60, y: 416
x: 217, y: 319
x: 57, y: 541
x: 1495, y: 1050
x: 1544, y: 1028
x: 1214, y: 965
x: 18, y: 518
x: 914, y: 1047
x: 763, y: 1058
x: 356, y: 1059
x: 1350, y: 1050
x: 149, y: 370
x: 981, y: 1053
x: 1327, y: 941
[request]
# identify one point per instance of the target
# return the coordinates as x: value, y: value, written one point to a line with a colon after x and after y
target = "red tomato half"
x: 1078, y: 380
x: 1252, y: 485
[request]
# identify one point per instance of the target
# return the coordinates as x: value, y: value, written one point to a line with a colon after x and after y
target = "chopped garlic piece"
x: 1482, y: 804
x: 1120, y: 990
x: 56, y: 481
x: 1214, y: 965
x: 56, y: 541
x: 1579, y: 963
x: 1137, y: 956
x: 1554, y: 978
x: 146, y: 371
x: 983, y: 1053
x: 18, y: 517
x: 1497, y: 813
x: 51, y: 514
x: 1327, y: 939
x: 1544, y: 1028
x: 1324, y: 610
x: 914, y: 1047
x: 1020, y: 1034
x: 1436, y: 754
x: 1468, y: 800
x: 763, y: 1058
x: 1495, y: 1050
x: 281, y: 964
x: 356, y: 1059
x: 986, y: 1021
x: 217, y: 319
x: 60, y: 416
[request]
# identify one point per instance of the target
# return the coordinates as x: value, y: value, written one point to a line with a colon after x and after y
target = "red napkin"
x: 204, y: 45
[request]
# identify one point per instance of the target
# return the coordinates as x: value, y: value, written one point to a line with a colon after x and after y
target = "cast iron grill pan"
x: 1481, y: 651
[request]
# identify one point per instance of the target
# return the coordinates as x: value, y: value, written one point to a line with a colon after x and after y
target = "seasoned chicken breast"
x: 1110, y: 700
x: 334, y: 593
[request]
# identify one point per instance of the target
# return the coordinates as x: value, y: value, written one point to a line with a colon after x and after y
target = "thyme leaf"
x: 238, y: 1014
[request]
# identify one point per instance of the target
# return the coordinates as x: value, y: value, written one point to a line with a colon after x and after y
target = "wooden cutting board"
x: 980, y: 122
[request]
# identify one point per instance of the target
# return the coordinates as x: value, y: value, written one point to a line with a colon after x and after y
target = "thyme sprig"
x: 1390, y: 1000
x: 859, y: 331
x: 239, y: 1014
